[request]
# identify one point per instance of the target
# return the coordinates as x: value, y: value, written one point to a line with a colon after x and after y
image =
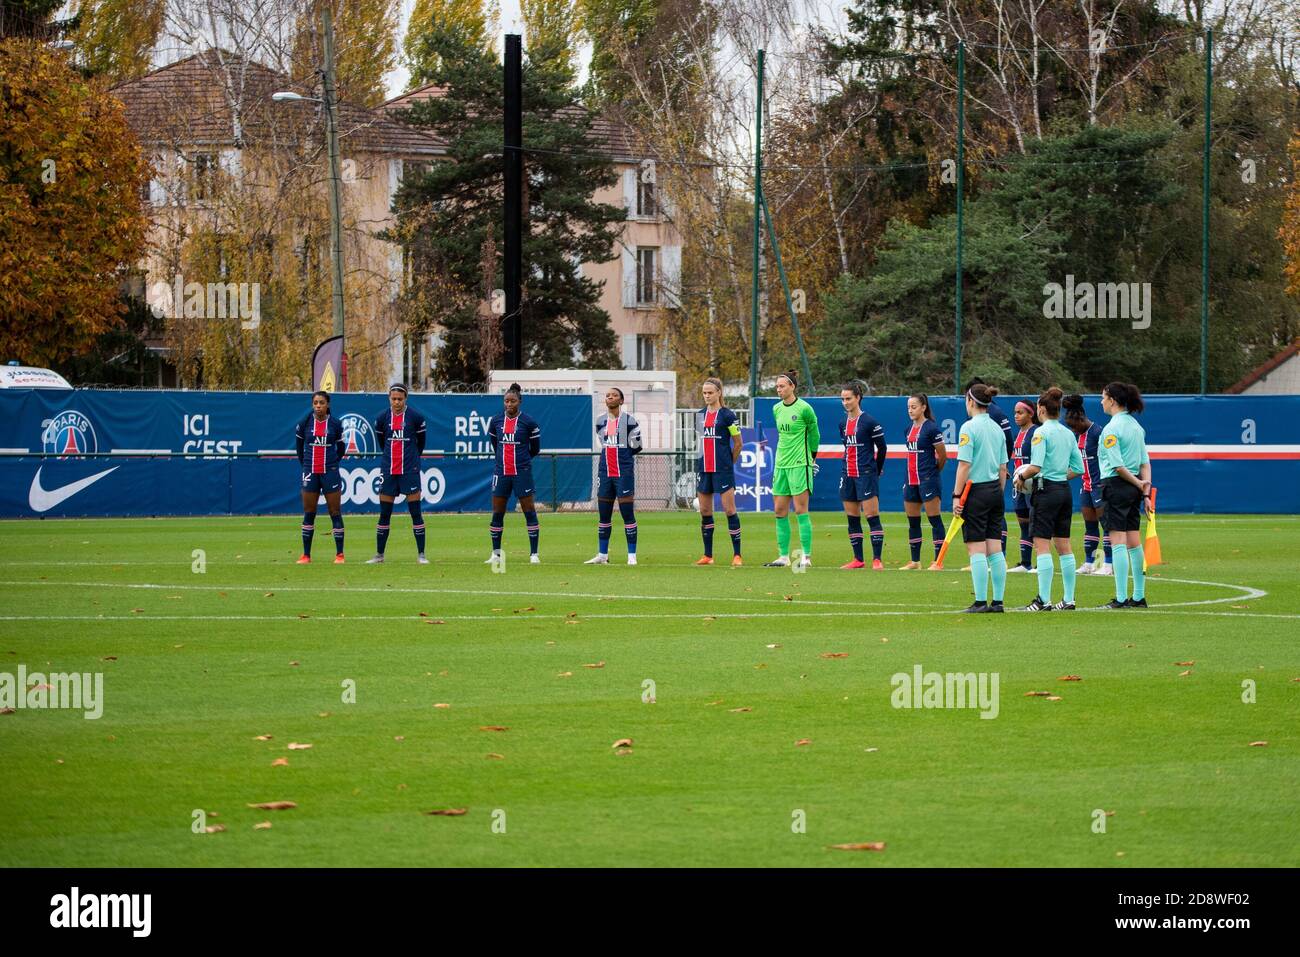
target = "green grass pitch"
x: 197, y: 666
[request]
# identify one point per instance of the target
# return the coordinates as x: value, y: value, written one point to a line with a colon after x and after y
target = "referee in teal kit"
x: 982, y: 460
x: 1125, y: 482
x: 1054, y: 459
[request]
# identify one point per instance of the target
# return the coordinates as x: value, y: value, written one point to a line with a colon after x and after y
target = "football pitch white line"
x: 1247, y: 593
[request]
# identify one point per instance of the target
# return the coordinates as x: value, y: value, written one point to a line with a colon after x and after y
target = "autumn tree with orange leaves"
x: 71, y: 222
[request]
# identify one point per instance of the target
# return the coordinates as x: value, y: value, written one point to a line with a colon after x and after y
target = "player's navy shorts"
x: 858, y: 488
x: 1053, y: 507
x: 982, y: 516
x: 928, y: 489
x: 403, y: 484
x: 520, y: 486
x: 1091, y: 498
x: 1123, y: 505
x: 710, y: 483
x: 616, y: 486
x: 322, y: 483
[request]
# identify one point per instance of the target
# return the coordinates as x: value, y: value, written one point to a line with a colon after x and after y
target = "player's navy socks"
x: 733, y: 526
x: 381, y: 530
x: 855, y: 536
x: 417, y: 523
x: 936, y: 532
x: 979, y: 576
x: 628, y: 511
x: 1135, y: 558
x: 805, y: 534
x: 336, y: 519
x: 606, y: 524
x: 308, y: 530
x: 1106, y: 550
x: 998, y: 572
x: 914, y: 536
x: 1121, y: 572
x: 1091, y: 536
x: 1004, y: 547
x: 877, y: 535
x: 498, y: 522
x: 534, y: 531
x: 1045, y: 573
x: 706, y: 533
x: 1026, y: 548
x: 1067, y: 576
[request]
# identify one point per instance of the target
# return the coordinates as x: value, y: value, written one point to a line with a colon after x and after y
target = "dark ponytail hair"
x: 516, y: 389
x: 855, y: 387
x: 1051, y: 401
x: 794, y: 381
x: 1072, y: 405
x: 924, y: 399
x: 1127, y: 395
x: 982, y: 394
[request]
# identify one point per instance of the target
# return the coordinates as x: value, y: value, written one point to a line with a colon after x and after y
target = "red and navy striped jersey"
x: 1020, y: 449
x: 922, y: 439
x: 859, y: 435
x: 1088, y: 449
x: 515, y: 441
x: 401, y: 441
x: 319, y: 443
x: 715, y: 429
x: 619, y: 438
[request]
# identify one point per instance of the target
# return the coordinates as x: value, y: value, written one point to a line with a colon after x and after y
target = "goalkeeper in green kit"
x: 796, y: 464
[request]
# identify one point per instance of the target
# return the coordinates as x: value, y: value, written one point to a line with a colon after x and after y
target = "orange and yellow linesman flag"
x: 953, y: 529
x: 1151, y: 543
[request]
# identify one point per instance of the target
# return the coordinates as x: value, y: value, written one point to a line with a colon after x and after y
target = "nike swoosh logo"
x: 42, y: 500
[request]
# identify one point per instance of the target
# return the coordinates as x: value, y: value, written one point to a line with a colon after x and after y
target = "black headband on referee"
x: 971, y: 395
x: 397, y: 387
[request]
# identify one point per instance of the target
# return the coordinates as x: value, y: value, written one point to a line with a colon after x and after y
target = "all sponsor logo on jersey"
x: 69, y: 433
x: 358, y: 435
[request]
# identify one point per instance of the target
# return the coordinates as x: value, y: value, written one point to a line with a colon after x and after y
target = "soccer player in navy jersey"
x: 516, y: 441
x: 1021, y: 446
x: 1090, y: 503
x: 401, y: 434
x: 619, y: 437
x: 926, y: 455
x: 997, y: 415
x: 719, y: 436
x: 859, y: 485
x: 319, y: 439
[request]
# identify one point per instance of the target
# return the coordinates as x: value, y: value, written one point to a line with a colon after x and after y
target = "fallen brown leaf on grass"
x: 865, y: 846
x: 596, y: 664
x: 399, y: 737
x: 442, y: 704
x: 802, y: 741
x: 1259, y: 744
x: 496, y: 757
x: 494, y: 727
x: 109, y: 658
x: 529, y: 608
x: 622, y: 750
x: 884, y: 641
x: 1070, y: 678
x: 280, y: 763
x: 833, y: 654
x: 274, y: 806
x: 739, y: 710
x: 448, y: 812
x: 572, y: 614
x: 6, y: 710
x: 759, y: 666
x: 719, y: 701
x: 1037, y: 694
x: 710, y: 617
x: 1053, y: 697
x: 323, y: 714
x: 1184, y: 664
x: 424, y: 614
x: 775, y: 646
x: 435, y: 621
x: 137, y: 610
x: 269, y: 594
x: 565, y: 674
x: 178, y: 646
x: 788, y: 597
x: 295, y: 746
x: 622, y: 743
x: 262, y: 826
x: 293, y: 664
x: 214, y: 829
x: 263, y: 737
x: 1184, y: 674
x: 304, y: 616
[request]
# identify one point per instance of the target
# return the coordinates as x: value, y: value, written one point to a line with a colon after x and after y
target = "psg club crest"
x: 69, y: 433
x: 358, y: 436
